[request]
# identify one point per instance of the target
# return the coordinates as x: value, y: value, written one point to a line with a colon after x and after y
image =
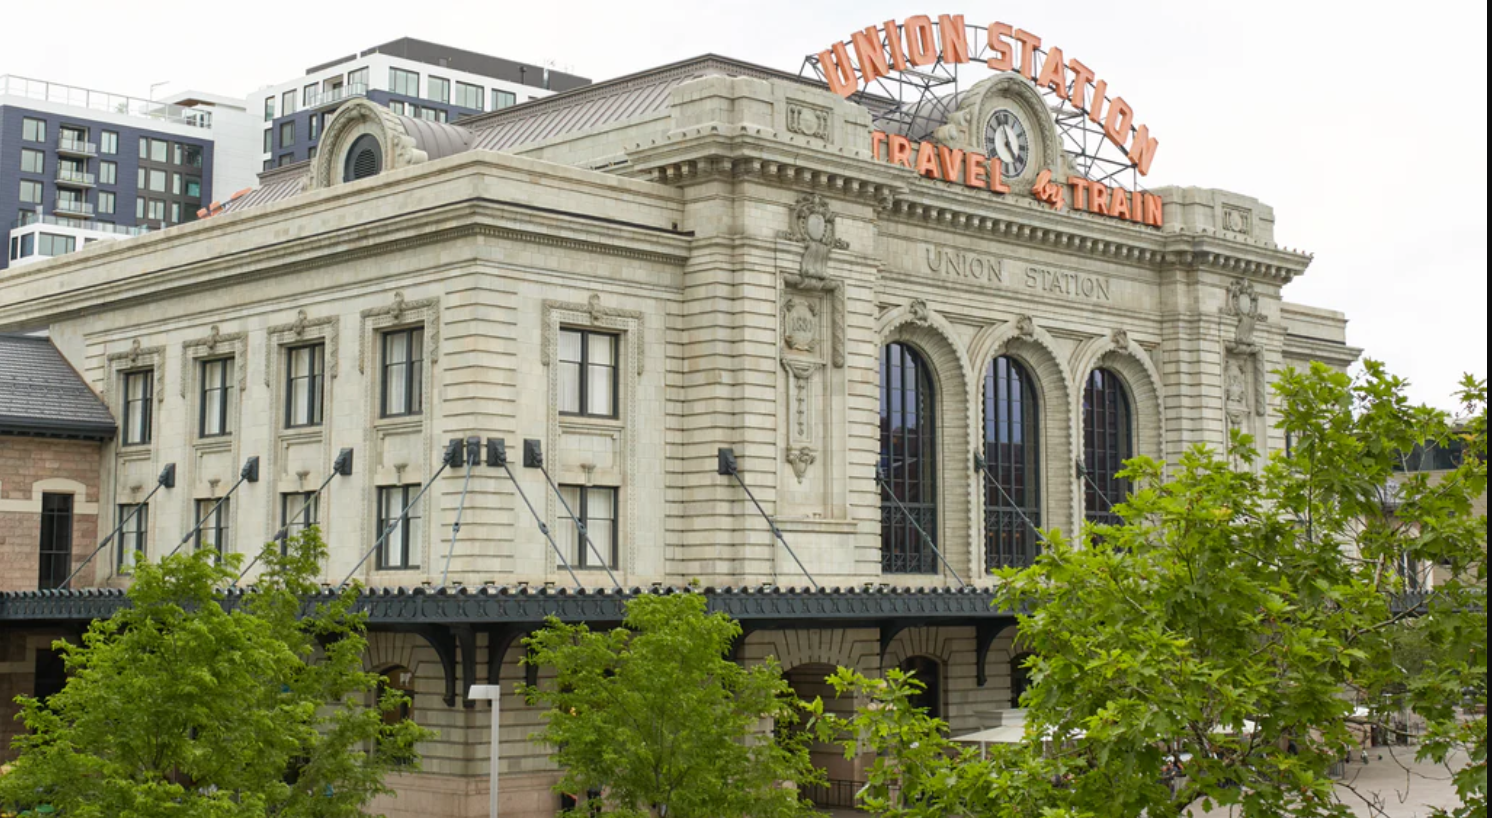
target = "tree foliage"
x: 1235, y: 621
x: 179, y: 707
x: 655, y: 716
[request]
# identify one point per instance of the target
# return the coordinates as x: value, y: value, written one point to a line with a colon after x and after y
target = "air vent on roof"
x: 364, y: 159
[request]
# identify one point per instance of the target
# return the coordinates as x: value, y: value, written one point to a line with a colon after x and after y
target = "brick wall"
x: 30, y: 467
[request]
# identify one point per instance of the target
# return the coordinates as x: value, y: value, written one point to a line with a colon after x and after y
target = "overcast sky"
x: 1363, y: 124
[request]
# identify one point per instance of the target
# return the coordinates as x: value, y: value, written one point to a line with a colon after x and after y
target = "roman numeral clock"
x: 1004, y: 117
x: 1006, y: 136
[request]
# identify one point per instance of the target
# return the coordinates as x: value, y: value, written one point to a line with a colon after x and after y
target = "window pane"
x: 569, y: 345
x: 569, y: 535
x: 603, y: 349
x: 598, y: 390
x: 569, y: 387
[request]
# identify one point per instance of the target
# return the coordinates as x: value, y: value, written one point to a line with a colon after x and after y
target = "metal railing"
x: 74, y: 177
x: 338, y: 94
x: 67, y: 144
x: 81, y: 208
x: 11, y: 85
x: 834, y: 794
x: 37, y: 218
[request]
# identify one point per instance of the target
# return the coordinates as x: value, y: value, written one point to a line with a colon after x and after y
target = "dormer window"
x: 364, y: 159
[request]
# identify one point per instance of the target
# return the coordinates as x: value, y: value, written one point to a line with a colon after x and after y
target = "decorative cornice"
x: 598, y: 316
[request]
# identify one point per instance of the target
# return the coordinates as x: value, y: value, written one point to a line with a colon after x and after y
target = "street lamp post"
x: 492, y: 693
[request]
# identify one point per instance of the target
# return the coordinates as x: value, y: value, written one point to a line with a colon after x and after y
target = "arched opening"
x: 809, y: 681
x: 929, y: 672
x: 1012, y: 489
x: 1108, y: 441
x: 908, y: 463
x: 1020, y: 678
x: 364, y: 159
x: 400, y: 679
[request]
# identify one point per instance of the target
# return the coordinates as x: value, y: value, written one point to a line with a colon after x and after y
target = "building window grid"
x: 33, y: 130
x: 139, y: 388
x: 56, y: 547
x: 402, y: 389
x: 213, y: 532
x: 1011, y: 450
x: 1107, y: 443
x: 108, y: 142
x: 908, y: 462
x: 400, y: 549
x: 438, y: 89
x: 214, y: 413
x: 132, y: 534
x: 588, y: 384
x: 33, y: 161
x: 298, y: 511
x: 404, y: 83
x: 595, y: 507
x: 305, y: 382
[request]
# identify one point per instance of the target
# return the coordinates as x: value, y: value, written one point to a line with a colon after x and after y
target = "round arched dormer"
x: 364, y: 158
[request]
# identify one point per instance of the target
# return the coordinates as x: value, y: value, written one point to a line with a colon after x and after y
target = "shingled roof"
x: 41, y: 393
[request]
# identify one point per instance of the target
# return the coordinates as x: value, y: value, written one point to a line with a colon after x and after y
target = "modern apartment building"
x: 79, y: 165
x: 411, y: 77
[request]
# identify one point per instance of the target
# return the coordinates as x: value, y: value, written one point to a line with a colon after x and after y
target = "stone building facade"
x: 638, y: 274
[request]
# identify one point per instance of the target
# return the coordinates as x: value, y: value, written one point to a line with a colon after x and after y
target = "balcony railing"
x: 72, y: 207
x: 336, y: 95
x: 101, y: 101
x: 30, y: 218
x: 75, y: 177
x: 77, y: 147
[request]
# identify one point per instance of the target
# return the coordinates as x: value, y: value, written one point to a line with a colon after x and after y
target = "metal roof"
x: 41, y: 393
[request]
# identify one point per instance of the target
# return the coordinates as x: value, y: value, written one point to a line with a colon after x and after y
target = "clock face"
x: 1006, y: 137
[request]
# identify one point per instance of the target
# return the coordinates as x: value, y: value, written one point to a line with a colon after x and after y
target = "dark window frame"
x: 583, y: 389
x: 1108, y: 441
x: 411, y: 371
x: 306, y: 506
x: 142, y: 405
x: 1012, y: 452
x: 908, y: 460
x: 55, y: 545
x: 315, y: 405
x: 224, y: 389
x: 581, y: 508
x: 134, y: 537
x: 928, y: 671
x: 408, y: 527
x: 217, y: 532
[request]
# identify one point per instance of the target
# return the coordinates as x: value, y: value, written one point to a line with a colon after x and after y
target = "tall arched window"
x: 1108, y: 441
x: 908, y: 463
x: 1012, y: 493
x: 930, y: 673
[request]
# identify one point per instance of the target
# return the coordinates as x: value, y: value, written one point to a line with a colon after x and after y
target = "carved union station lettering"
x: 1073, y: 285
x: 957, y: 264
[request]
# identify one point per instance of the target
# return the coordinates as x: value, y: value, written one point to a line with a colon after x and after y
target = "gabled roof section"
x: 41, y: 394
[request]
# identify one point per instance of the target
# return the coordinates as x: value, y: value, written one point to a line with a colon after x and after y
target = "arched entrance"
x: 844, y: 778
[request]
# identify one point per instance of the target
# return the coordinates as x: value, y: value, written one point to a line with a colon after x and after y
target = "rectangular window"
x: 314, y: 128
x: 144, y: 148
x: 56, y: 540
x: 140, y: 178
x: 23, y: 246
x: 269, y: 139
x: 287, y: 134
x: 214, y: 413
x: 30, y: 192
x: 155, y: 209
x: 33, y: 161
x: 176, y: 212
x: 503, y: 99
x: 287, y: 103
x: 429, y: 114
x: 358, y: 80
x: 403, y: 384
x: 269, y: 108
x: 587, y: 373
x: 51, y: 245
x: 157, y: 181
x: 400, y: 550
x: 398, y: 107
x: 139, y: 389
x: 108, y: 142
x: 176, y: 184
x: 194, y: 187
x: 108, y: 173
x: 438, y: 89
x: 105, y: 203
x: 304, y: 383
x: 213, y: 533
x: 158, y: 150
x: 308, y: 95
x: 405, y: 83
x: 139, y: 207
x: 595, y: 507
x: 135, y: 520
x: 285, y: 159
x: 191, y: 156
x: 34, y: 130
x: 468, y: 95
x: 299, y: 511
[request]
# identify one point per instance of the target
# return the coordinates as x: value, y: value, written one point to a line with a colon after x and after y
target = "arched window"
x: 930, y: 673
x: 1012, y: 493
x: 1108, y: 441
x: 402, y: 680
x: 364, y: 159
x: 908, y: 464
x: 1020, y: 678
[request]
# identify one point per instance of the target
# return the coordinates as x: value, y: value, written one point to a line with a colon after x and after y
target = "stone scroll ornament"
x: 1243, y: 303
x: 813, y: 226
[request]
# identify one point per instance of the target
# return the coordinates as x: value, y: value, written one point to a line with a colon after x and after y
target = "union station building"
x: 912, y: 372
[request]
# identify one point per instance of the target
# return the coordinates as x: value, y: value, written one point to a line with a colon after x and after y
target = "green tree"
x: 1235, y: 620
x: 179, y: 706
x: 656, y: 716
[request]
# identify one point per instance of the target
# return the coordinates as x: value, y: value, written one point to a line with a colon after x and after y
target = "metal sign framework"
x: 916, y: 101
